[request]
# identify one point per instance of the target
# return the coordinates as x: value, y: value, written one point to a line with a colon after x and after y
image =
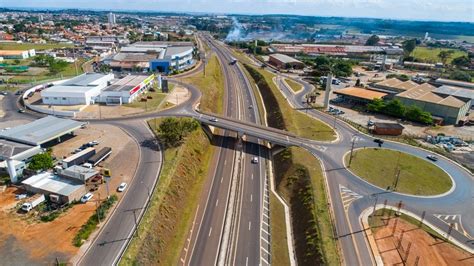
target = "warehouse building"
x: 359, y: 95
x: 79, y: 173
x: 81, y: 90
x: 41, y: 131
x: 154, y: 56
x: 127, y: 89
x: 451, y: 109
x: 14, y: 155
x: 456, y: 83
x: 60, y: 190
x: 457, y: 92
x: 284, y: 62
x: 394, y: 85
x: 17, y: 54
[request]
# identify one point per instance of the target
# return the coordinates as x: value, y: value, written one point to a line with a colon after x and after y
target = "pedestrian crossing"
x: 348, y: 196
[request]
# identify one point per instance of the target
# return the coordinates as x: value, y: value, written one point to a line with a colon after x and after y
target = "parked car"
x: 4, y: 93
x: 122, y: 187
x: 213, y: 119
x: 432, y: 158
x: 370, y: 123
x: 86, y: 197
x: 21, y: 110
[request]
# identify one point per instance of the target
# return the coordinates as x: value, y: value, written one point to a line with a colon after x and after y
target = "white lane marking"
x: 251, y: 177
x: 251, y: 197
x: 217, y: 202
x: 222, y: 178
x: 247, y: 261
x: 250, y: 225
x: 210, y: 231
x: 225, y: 162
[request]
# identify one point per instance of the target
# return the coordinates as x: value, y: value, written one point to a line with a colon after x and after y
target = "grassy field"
x: 321, y: 211
x: 280, y: 256
x: 430, y: 55
x: 37, y: 46
x: 211, y: 86
x: 417, y: 176
x: 163, y: 230
x: 295, y: 121
x: 295, y: 86
x: 150, y: 104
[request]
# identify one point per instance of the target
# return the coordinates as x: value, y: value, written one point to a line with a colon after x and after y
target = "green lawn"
x: 417, y: 176
x: 295, y: 86
x: 37, y: 46
x: 430, y: 55
x: 211, y: 86
x: 298, y: 122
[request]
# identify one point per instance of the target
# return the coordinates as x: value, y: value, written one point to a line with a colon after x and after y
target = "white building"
x: 81, y: 90
x: 127, y: 89
x: 111, y: 19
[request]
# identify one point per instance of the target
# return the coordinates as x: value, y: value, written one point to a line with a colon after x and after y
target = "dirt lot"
x: 23, y: 241
x: 430, y: 251
x: 104, y: 111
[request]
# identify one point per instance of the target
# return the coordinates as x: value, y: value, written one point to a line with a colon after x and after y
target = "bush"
x: 398, y: 109
x: 460, y: 75
x: 172, y: 130
x: 41, y: 161
x: 91, y: 224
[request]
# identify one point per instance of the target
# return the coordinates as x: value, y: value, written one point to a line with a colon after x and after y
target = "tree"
x: 460, y: 75
x: 373, y: 40
x: 395, y: 108
x: 376, y: 105
x: 172, y: 130
x: 444, y: 55
x: 342, y: 68
x: 409, y: 46
x: 41, y: 161
x: 462, y: 61
x: 57, y: 66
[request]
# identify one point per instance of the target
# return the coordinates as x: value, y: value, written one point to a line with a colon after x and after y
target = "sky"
x: 435, y: 10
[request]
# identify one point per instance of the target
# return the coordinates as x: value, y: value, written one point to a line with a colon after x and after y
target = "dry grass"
x: 295, y: 86
x: 279, y: 242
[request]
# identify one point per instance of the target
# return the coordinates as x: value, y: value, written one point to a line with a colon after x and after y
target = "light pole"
x: 352, y: 149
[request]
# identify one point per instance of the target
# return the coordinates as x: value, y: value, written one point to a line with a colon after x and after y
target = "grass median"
x: 211, y: 86
x: 294, y: 121
x: 416, y: 176
x: 294, y: 86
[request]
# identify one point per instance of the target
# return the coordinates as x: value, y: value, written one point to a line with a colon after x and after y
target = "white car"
x: 213, y: 119
x: 86, y: 197
x: 255, y: 159
x: 122, y: 187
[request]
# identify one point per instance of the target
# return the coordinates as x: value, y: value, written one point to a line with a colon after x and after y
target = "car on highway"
x: 370, y: 123
x: 250, y: 106
x: 21, y: 110
x: 86, y: 197
x: 432, y: 158
x: 213, y: 119
x: 255, y: 159
x: 122, y: 187
x: 4, y: 93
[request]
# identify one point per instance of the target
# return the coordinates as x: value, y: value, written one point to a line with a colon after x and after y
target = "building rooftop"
x: 176, y: 50
x: 389, y: 82
x: 79, y: 172
x: 53, y: 184
x: 12, y: 52
x: 425, y: 93
x: 127, y: 83
x: 455, y: 91
x: 361, y: 93
x: 456, y: 83
x: 406, y: 85
x: 41, y: 131
x: 86, y: 79
x: 285, y: 59
x: 79, y: 84
x: 11, y: 148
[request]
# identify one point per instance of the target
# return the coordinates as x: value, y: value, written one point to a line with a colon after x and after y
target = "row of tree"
x: 322, y: 65
x: 397, y: 109
x: 172, y: 131
x: 54, y: 65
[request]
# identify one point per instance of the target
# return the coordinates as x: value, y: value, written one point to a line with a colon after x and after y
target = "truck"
x: 32, y: 202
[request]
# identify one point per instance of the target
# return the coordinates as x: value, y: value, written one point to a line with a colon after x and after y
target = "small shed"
x: 392, y: 129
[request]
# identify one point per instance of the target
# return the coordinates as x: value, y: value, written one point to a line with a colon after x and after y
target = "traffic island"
x: 399, y: 172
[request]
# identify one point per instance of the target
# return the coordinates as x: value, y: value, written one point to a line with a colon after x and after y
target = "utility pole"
x: 97, y: 205
x: 397, y: 177
x: 352, y: 150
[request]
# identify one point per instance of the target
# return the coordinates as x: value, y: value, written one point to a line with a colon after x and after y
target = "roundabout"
x: 399, y: 172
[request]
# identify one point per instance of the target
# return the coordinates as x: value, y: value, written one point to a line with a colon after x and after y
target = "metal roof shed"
x: 41, y: 131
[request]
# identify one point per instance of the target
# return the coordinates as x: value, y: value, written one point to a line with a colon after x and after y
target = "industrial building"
x: 78, y: 158
x: 41, y: 131
x: 105, y: 43
x: 17, y: 54
x: 100, y: 156
x: 80, y: 90
x: 456, y: 83
x: 359, y: 95
x: 80, y: 173
x: 457, y: 92
x: 127, y: 89
x: 333, y: 49
x: 154, y: 56
x: 59, y: 189
x: 394, y: 85
x: 284, y: 62
x: 450, y: 108
x: 14, y: 155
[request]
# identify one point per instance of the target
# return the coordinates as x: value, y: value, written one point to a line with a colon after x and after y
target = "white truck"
x: 32, y: 202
